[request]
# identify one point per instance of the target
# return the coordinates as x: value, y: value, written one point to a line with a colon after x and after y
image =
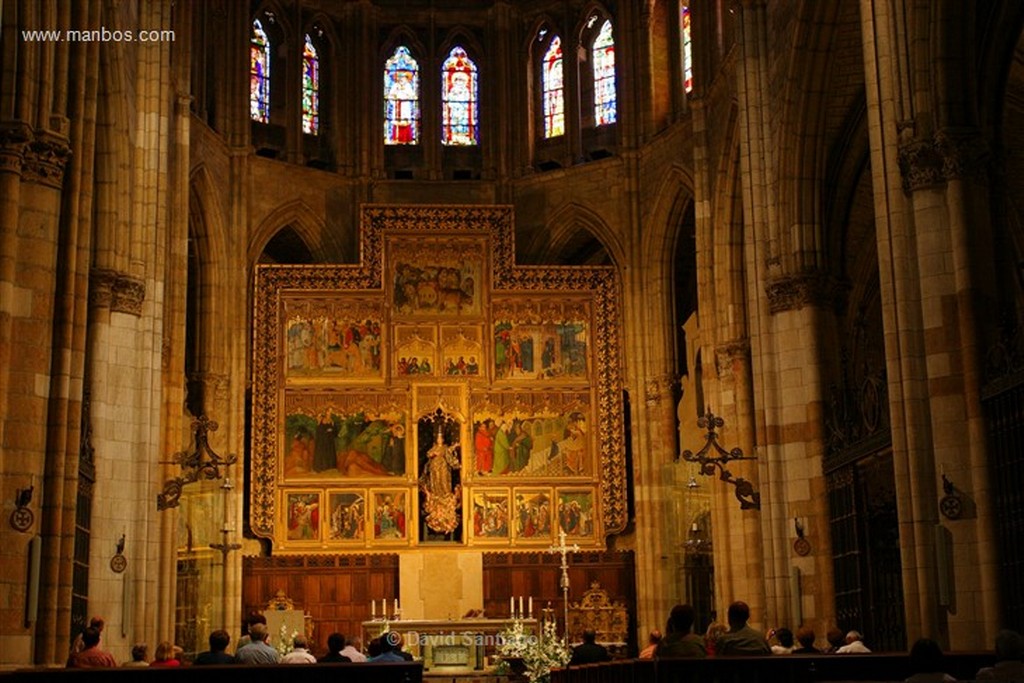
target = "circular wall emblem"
x: 118, y: 563
x: 802, y: 546
x: 22, y: 519
x: 951, y: 506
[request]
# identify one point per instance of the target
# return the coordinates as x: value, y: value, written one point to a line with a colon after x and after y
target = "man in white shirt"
x: 257, y: 651
x: 353, y: 649
x: 854, y: 644
x: 299, y: 653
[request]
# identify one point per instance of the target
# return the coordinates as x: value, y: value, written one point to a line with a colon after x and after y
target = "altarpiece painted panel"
x: 436, y: 393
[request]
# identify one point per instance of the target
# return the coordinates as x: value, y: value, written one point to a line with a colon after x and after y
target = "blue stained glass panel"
x: 401, y: 99
x: 553, y: 87
x: 604, y: 76
x: 459, y: 100
x: 259, y: 74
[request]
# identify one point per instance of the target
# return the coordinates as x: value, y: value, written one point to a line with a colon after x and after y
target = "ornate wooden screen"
x: 436, y: 393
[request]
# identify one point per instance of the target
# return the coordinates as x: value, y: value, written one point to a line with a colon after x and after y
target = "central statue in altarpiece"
x: 436, y: 394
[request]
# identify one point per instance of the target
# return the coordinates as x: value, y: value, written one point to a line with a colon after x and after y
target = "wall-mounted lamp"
x: 951, y: 505
x: 202, y: 462
x: 713, y: 457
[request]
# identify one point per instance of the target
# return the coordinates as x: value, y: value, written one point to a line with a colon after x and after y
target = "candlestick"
x: 373, y: 608
x: 529, y: 612
x: 396, y: 606
x: 512, y: 607
x: 520, y: 606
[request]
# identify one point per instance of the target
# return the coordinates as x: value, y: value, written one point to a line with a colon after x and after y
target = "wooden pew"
x: 776, y: 669
x: 376, y: 672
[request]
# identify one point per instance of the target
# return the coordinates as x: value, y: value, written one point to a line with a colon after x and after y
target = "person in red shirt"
x: 91, y: 655
x: 165, y: 655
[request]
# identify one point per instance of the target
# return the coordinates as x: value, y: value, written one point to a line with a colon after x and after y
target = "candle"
x: 520, y: 606
x: 396, y: 607
x: 373, y: 608
x: 529, y: 611
x: 512, y: 607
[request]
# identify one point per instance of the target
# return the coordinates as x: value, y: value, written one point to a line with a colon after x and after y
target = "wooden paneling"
x: 539, y: 575
x: 334, y: 589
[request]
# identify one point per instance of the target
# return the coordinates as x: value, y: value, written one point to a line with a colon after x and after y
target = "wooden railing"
x: 375, y: 672
x: 777, y: 669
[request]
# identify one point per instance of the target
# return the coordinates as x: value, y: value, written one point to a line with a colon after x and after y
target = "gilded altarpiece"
x: 436, y: 393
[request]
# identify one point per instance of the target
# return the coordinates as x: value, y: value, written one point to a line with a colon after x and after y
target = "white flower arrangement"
x: 285, y: 642
x: 539, y: 654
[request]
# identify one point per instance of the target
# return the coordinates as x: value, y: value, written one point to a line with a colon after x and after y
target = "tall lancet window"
x: 401, y: 99
x: 459, y: 96
x: 686, y: 48
x: 259, y: 74
x: 310, y: 88
x: 603, y: 54
x: 553, y: 89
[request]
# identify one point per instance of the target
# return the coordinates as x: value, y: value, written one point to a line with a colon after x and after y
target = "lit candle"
x: 512, y: 607
x: 529, y: 612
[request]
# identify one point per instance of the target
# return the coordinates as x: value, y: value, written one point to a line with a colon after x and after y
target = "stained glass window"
x: 604, y: 76
x: 401, y: 99
x: 553, y: 88
x: 686, y: 47
x: 459, y: 88
x: 259, y: 74
x: 310, y: 89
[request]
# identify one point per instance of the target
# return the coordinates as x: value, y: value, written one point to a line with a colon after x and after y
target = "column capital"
x: 117, y: 291
x: 14, y: 139
x: 46, y: 157
x: 727, y: 354
x: 793, y: 292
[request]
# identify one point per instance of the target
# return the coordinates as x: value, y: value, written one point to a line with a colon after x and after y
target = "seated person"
x: 217, y: 654
x: 1009, y: 653
x: 741, y: 639
x: 166, y: 655
x: 299, y: 653
x: 139, y: 654
x: 835, y: 639
x: 652, y: 645
x: 589, y: 652
x: 91, y: 655
x: 354, y: 649
x: 805, y: 636
x: 258, y: 651
x: 678, y: 640
x: 926, y: 663
x: 854, y: 644
x: 785, y: 638
x: 335, y: 643
x: 387, y: 643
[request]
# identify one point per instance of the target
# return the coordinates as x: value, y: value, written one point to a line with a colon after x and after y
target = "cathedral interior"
x: 343, y: 301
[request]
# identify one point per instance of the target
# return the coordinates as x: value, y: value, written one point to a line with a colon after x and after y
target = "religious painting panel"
x: 302, y: 516
x: 415, y: 351
x: 544, y: 339
x: 530, y: 435
x: 491, y: 522
x: 532, y: 515
x: 343, y: 436
x: 347, y: 521
x: 436, y: 276
x: 575, y: 512
x: 333, y: 338
x: 390, y: 515
x: 462, y: 351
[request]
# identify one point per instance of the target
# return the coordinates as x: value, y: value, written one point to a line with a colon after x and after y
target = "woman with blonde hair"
x: 166, y: 655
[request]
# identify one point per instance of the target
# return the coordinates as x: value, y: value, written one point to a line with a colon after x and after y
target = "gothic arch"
x: 566, y: 225
x: 306, y: 223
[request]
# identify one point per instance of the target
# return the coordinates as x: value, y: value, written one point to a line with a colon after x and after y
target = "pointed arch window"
x: 603, y: 59
x: 686, y: 48
x: 259, y: 74
x: 553, y: 89
x: 310, y: 88
x: 401, y: 99
x: 459, y: 97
